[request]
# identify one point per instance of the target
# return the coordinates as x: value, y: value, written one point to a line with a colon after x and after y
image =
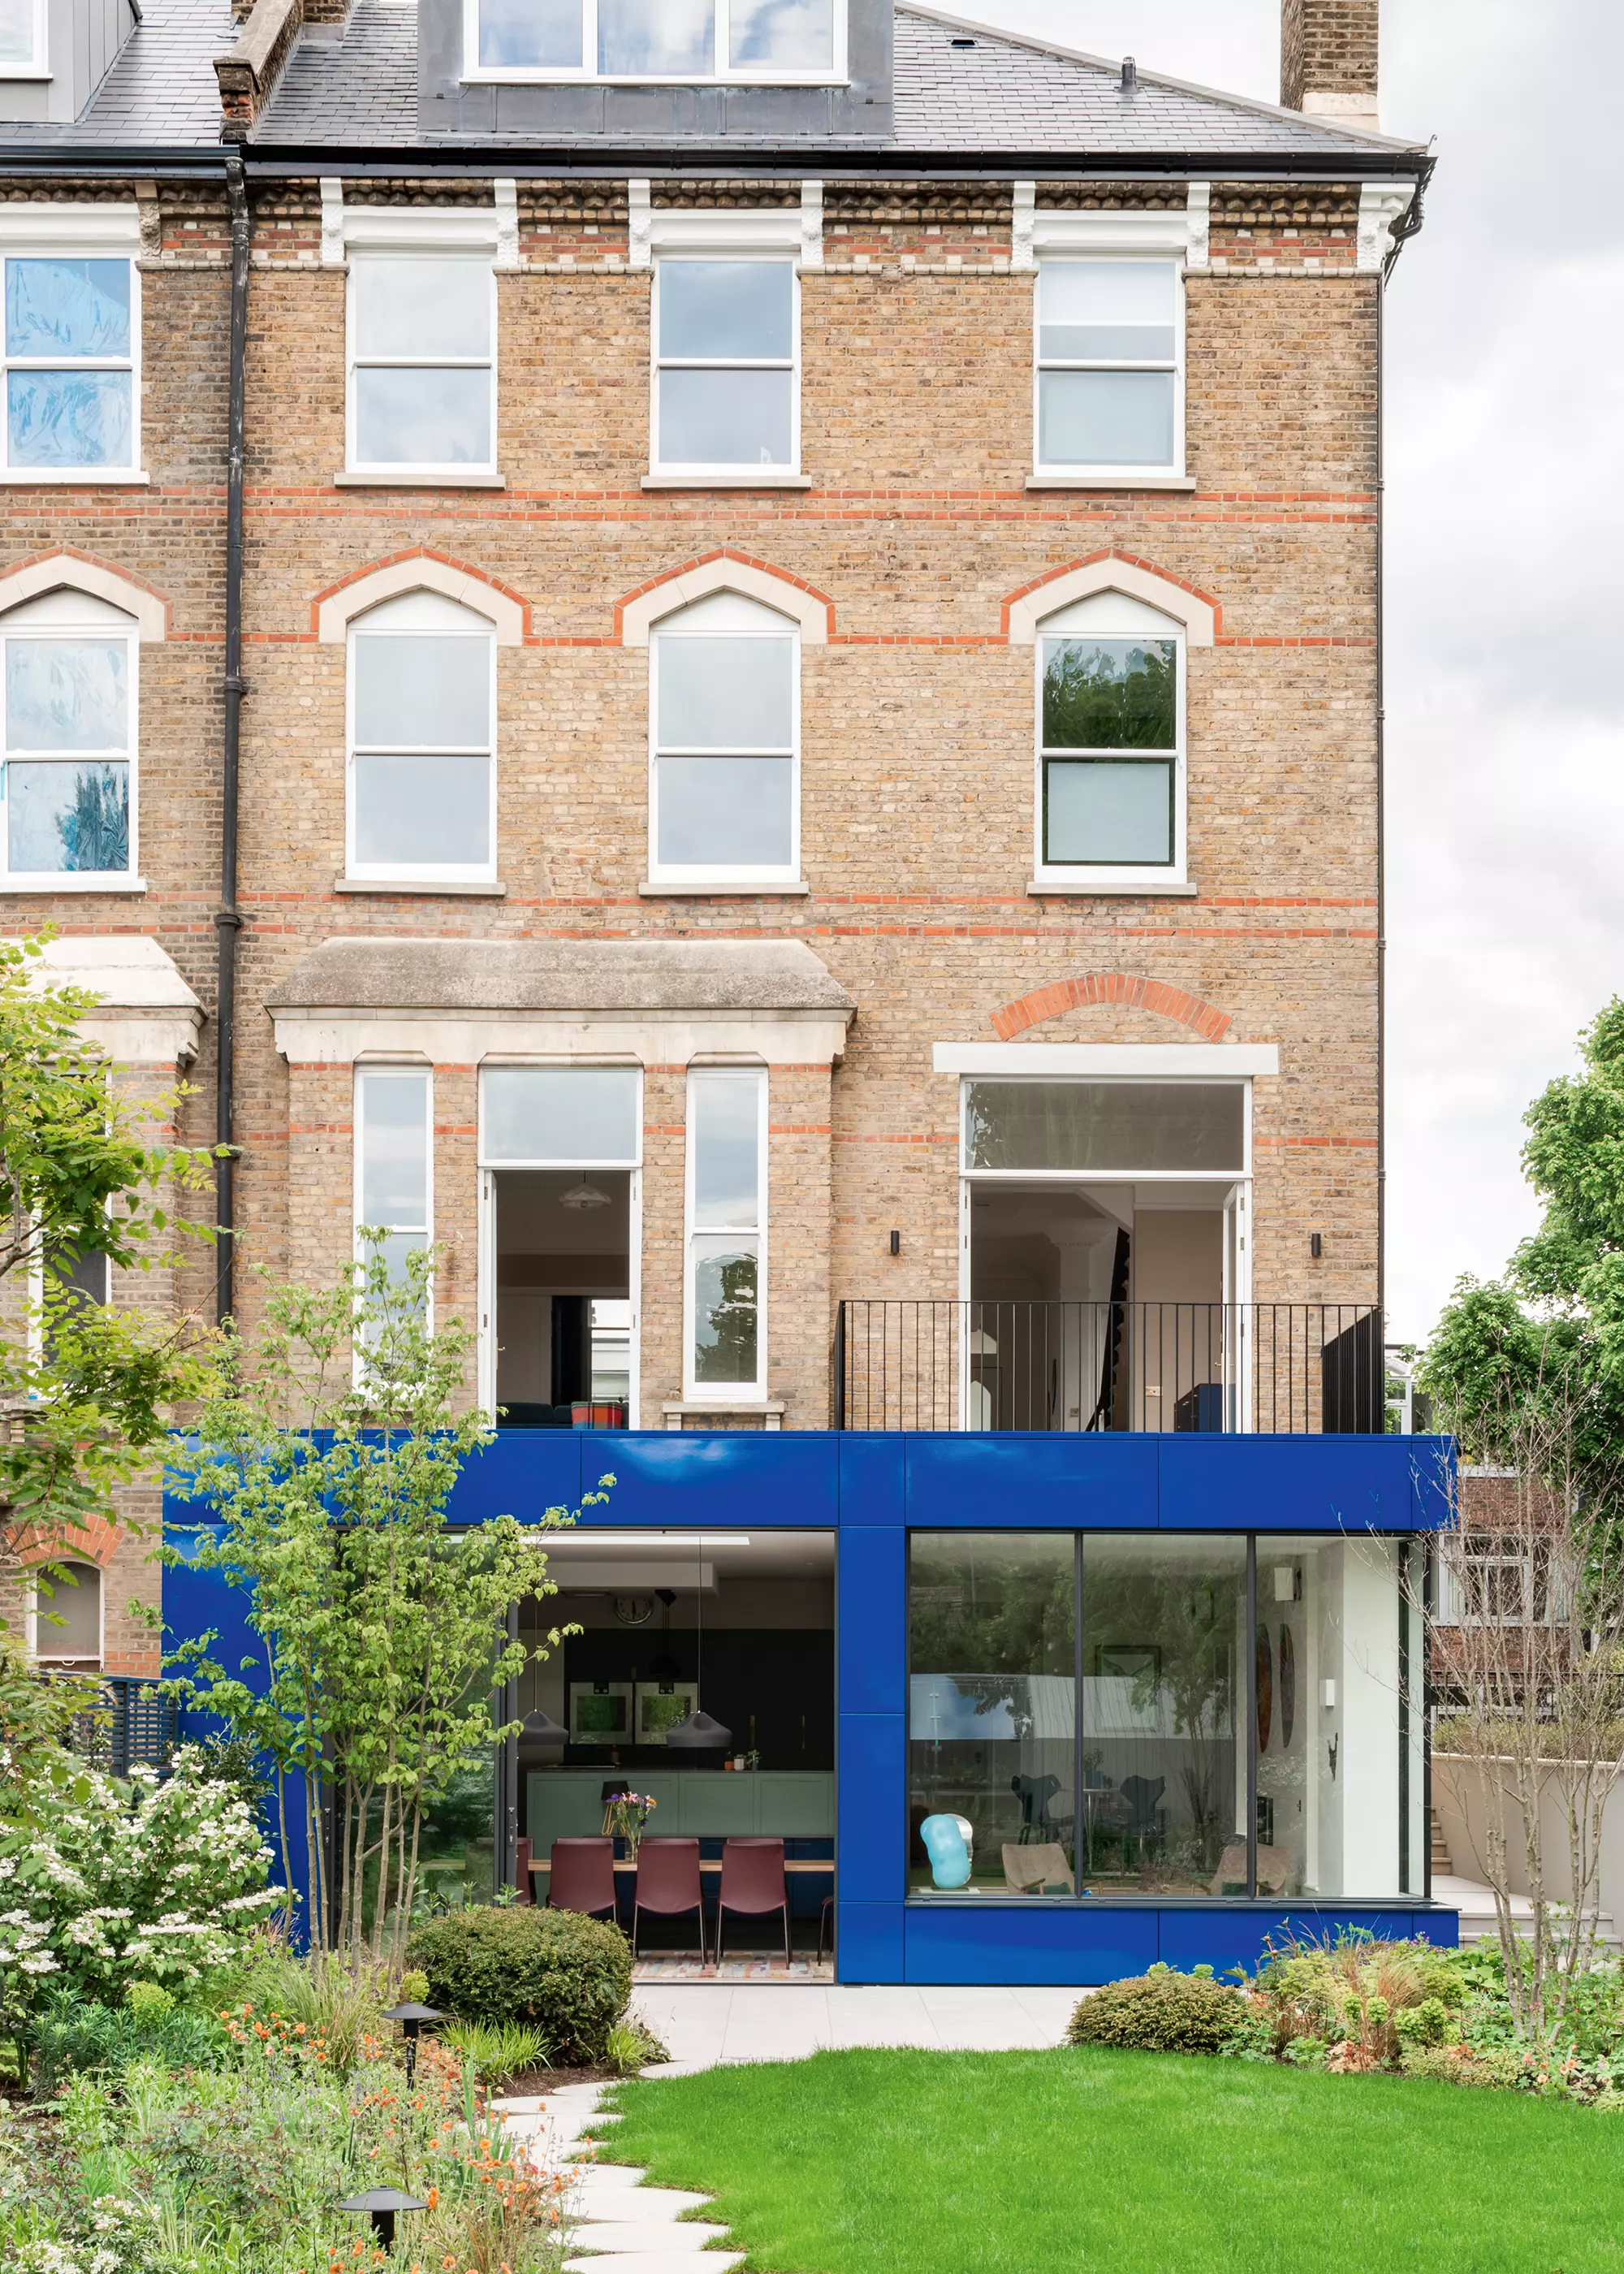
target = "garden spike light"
x: 411, y: 2016
x: 380, y: 2205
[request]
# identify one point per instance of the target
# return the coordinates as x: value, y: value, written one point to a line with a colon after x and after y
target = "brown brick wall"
x: 1327, y: 47
x: 917, y: 725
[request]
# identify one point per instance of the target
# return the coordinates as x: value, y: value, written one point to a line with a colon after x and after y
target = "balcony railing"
x: 1297, y: 1368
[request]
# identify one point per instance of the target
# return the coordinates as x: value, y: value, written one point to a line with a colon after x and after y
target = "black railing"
x: 1297, y: 1368
x: 136, y: 1721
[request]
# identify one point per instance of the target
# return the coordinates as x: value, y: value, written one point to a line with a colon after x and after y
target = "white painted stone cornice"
x: 794, y: 229
x: 594, y: 1037
x: 1197, y: 1060
x: 1380, y: 204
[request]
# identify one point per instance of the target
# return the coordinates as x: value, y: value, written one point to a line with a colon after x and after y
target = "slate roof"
x: 357, y: 88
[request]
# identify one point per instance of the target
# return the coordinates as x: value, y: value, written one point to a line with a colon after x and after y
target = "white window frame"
x: 838, y: 74
x: 1082, y: 474
x: 491, y: 1167
x: 405, y: 471
x: 68, y: 232
x: 38, y: 65
x: 420, y: 871
x: 697, y: 1237
x: 74, y: 880
x: 1113, y: 876
x: 720, y: 876
x: 366, y: 1070
x: 702, y: 470
x: 39, y: 1618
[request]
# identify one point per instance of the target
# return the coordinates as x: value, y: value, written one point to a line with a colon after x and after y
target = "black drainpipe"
x: 228, y: 922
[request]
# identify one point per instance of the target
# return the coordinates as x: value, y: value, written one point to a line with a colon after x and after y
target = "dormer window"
x: 778, y: 41
x: 22, y: 39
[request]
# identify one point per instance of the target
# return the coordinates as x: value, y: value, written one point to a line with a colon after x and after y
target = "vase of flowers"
x: 626, y: 1815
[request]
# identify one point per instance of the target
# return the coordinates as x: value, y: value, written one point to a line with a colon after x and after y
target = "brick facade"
x: 917, y: 717
x: 1327, y: 47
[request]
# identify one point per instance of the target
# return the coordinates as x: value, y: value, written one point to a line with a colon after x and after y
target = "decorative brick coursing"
x: 1327, y: 47
x: 1063, y: 995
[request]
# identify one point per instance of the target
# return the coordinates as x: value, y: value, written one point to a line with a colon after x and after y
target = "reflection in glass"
x: 644, y: 39
x: 421, y: 809
x: 69, y: 417
x: 395, y: 1151
x: 1108, y: 312
x: 722, y: 693
x: 718, y: 813
x: 726, y: 310
x: 421, y: 417
x: 58, y: 308
x: 1199, y: 1126
x: 724, y: 417
x: 725, y: 1312
x: 991, y: 1705
x: 1110, y: 694
x: 530, y: 35
x: 725, y: 1131
x: 64, y: 819
x: 1164, y: 1689
x: 1098, y: 811
x: 1105, y: 418
x: 575, y: 1115
x: 787, y: 34
x: 421, y: 308
x: 17, y: 31
x: 425, y: 690
x: 67, y: 695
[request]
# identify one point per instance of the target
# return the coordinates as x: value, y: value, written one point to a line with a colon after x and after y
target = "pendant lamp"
x: 698, y: 1731
x: 542, y: 1729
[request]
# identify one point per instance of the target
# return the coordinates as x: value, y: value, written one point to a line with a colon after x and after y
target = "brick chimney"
x: 1328, y: 59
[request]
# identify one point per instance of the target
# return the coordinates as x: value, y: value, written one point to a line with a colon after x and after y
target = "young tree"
x: 87, y: 1388
x: 328, y: 1457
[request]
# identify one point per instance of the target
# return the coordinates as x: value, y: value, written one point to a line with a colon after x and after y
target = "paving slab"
x: 623, y: 2238
x: 624, y: 2203
x: 656, y: 2261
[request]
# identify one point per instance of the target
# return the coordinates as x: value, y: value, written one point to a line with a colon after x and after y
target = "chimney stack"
x: 1328, y: 60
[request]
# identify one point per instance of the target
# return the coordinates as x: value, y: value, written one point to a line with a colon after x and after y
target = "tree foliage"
x: 328, y: 1457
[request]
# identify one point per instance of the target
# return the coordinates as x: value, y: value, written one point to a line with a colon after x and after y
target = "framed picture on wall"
x: 601, y: 1712
x: 660, y: 1707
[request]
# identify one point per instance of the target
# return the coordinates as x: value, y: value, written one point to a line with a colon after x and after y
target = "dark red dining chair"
x: 754, y: 1884
x: 583, y: 1877
x: 668, y: 1883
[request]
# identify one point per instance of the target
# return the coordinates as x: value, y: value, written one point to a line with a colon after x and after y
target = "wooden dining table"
x: 711, y: 1866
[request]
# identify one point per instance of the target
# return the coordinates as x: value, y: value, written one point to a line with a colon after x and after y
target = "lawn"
x: 1044, y: 2163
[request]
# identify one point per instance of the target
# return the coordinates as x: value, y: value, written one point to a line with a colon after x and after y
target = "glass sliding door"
x: 1164, y: 1693
x: 992, y: 1712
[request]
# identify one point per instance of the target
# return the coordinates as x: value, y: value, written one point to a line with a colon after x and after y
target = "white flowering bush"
x: 155, y: 1881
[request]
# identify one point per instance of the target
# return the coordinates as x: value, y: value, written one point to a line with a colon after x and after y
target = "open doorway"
x: 563, y: 1245
x: 1107, y: 1306
x: 736, y: 1627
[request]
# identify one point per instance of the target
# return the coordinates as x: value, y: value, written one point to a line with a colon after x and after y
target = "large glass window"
x: 726, y: 345
x: 1249, y: 1723
x: 1110, y: 742
x: 393, y: 1183
x: 422, y: 364
x: 68, y: 773
x: 1194, y: 1128
x: 724, y: 794
x: 560, y: 1117
x: 726, y: 1229
x: 1109, y: 383
x: 71, y: 334
x: 22, y: 37
x: 992, y: 1713
x: 422, y: 765
x: 657, y: 39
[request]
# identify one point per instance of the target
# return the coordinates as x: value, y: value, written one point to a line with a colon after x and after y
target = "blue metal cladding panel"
x: 1296, y: 1484
x: 871, y: 1477
x: 1031, y: 1478
x: 873, y: 1806
x: 872, y: 1617
x: 1001, y: 1943
x: 714, y: 1477
x: 869, y: 1941
x: 522, y: 1473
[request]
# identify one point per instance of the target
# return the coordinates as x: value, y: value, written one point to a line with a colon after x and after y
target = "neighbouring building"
x: 773, y: 744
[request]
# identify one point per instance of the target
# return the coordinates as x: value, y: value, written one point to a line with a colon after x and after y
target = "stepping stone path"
x: 617, y: 2225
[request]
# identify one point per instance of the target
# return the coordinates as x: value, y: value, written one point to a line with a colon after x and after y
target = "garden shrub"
x: 570, y: 1975
x: 1500, y: 2069
x: 1159, y: 2012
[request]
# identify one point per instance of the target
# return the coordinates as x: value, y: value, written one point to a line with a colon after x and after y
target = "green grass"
x: 1050, y: 2163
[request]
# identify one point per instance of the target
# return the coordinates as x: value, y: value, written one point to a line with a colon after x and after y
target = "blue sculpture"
x: 947, y: 1849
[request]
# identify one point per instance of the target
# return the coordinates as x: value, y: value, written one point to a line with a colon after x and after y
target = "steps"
x: 1479, y: 1923
x: 1442, y: 1862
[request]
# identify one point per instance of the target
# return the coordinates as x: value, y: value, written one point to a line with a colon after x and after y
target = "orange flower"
x: 434, y: 2198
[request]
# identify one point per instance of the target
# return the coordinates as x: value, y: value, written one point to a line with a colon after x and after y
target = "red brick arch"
x: 1054, y: 1001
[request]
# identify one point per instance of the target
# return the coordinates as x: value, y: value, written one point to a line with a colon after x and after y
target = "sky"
x: 1505, y: 458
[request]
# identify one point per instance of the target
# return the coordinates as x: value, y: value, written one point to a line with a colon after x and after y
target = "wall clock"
x: 634, y: 1611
